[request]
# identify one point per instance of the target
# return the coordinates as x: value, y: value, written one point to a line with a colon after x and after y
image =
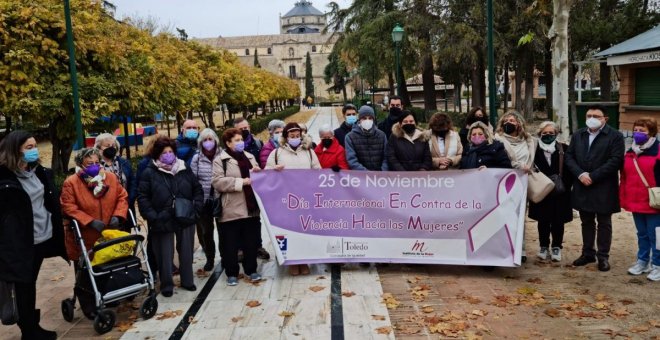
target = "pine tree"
x: 256, y: 59
x: 309, y: 80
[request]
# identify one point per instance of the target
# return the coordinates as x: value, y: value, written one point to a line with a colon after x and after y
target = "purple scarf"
x: 245, y: 165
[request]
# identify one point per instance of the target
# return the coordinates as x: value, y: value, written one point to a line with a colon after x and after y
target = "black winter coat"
x: 341, y: 132
x: 17, y: 226
x: 489, y: 155
x: 404, y: 155
x: 555, y: 208
x: 155, y: 196
x: 602, y: 161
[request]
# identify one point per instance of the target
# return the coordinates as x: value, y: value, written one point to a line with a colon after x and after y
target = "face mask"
x: 208, y: 145
x: 477, y: 140
x: 192, y: 134
x: 640, y: 137
x: 167, y: 158
x: 239, y: 146
x: 350, y: 120
x: 93, y: 170
x: 326, y: 143
x: 294, y: 142
x: 395, y: 112
x: 245, y: 134
x: 110, y: 152
x: 441, y: 133
x: 509, y: 128
x: 408, y: 128
x: 593, y: 123
x: 548, y: 139
x: 367, y: 124
x: 277, y: 136
x: 31, y: 155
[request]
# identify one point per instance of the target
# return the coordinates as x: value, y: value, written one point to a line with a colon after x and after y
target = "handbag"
x: 538, y: 186
x: 8, y: 307
x: 560, y: 187
x: 212, y: 205
x: 654, y: 192
x: 184, y: 209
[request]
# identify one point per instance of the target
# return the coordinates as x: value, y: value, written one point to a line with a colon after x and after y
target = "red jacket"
x: 633, y: 194
x: 334, y: 155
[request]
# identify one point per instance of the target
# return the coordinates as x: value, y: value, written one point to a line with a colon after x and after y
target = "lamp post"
x: 397, y: 37
x: 74, y: 75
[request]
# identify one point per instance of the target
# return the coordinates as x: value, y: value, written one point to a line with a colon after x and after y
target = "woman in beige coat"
x: 240, y: 223
x: 445, y: 143
x: 295, y: 152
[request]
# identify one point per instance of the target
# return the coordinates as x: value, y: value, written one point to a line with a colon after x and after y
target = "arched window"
x: 247, y: 51
x: 291, y: 53
x: 270, y: 50
x: 313, y: 48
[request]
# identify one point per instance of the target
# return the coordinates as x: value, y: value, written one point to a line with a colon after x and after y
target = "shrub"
x: 260, y: 123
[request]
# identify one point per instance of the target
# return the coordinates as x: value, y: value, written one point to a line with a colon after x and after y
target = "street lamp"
x: 397, y: 37
x: 74, y: 75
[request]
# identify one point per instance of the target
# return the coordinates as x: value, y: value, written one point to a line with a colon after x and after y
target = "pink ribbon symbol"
x: 510, y: 193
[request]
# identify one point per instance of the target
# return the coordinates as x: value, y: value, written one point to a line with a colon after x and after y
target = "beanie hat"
x: 365, y: 111
x: 290, y: 127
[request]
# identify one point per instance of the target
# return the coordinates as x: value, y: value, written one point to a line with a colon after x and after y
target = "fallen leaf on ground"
x: 626, y: 302
x: 389, y: 301
x: 57, y: 278
x: 407, y: 330
x: 237, y: 318
x: 384, y: 330
x: 654, y: 323
x: 526, y: 290
x: 427, y: 309
x: 552, y: 312
x: 253, y: 303
x: 320, y: 277
x: 601, y: 305
x: 613, y: 334
x: 640, y: 329
x: 347, y: 294
x: 535, y: 280
x: 621, y: 312
x: 479, y: 312
x: 169, y: 314
x: 123, y: 326
x: 473, y: 336
x: 285, y: 314
x: 316, y: 288
x: 377, y: 317
x: 601, y: 297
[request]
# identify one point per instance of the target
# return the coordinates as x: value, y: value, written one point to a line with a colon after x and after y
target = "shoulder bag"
x: 538, y: 186
x: 8, y: 307
x: 560, y: 188
x: 213, y: 205
x: 654, y: 193
x: 184, y: 209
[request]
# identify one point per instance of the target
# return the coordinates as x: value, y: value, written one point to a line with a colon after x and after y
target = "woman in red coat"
x: 330, y: 153
x: 634, y: 196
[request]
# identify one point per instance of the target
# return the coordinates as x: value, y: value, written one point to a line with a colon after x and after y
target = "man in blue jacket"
x: 186, y: 142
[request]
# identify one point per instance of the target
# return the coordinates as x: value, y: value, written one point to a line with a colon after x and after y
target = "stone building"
x: 285, y: 53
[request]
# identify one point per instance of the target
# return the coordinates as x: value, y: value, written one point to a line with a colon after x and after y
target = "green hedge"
x: 260, y: 123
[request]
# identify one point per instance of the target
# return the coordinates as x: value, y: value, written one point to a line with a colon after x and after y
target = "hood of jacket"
x: 398, y: 132
x: 306, y: 143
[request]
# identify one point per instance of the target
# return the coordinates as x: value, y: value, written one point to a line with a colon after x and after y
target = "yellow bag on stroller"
x: 113, y: 252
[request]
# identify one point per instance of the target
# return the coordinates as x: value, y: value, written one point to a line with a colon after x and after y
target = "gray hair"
x: 206, y: 133
x: 86, y: 153
x: 326, y: 128
x: 544, y: 125
x: 104, y: 137
x: 275, y: 124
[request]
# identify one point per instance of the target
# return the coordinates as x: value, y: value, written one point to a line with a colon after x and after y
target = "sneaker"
x: 232, y: 281
x: 556, y: 254
x: 255, y: 277
x: 543, y: 253
x: 640, y: 268
x: 655, y: 273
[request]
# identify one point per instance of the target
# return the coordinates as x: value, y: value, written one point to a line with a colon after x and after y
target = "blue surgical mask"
x: 31, y: 155
x: 192, y: 134
x: 294, y: 142
x: 350, y: 120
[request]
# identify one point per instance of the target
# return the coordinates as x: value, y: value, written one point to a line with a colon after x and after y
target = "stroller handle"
x: 118, y: 240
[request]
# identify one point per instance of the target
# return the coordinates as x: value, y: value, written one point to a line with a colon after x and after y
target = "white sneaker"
x: 655, y: 274
x: 543, y: 253
x: 640, y: 268
x: 556, y: 254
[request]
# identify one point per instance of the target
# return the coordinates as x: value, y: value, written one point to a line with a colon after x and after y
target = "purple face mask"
x: 239, y: 146
x: 640, y: 137
x: 167, y: 158
x: 208, y: 145
x: 93, y: 170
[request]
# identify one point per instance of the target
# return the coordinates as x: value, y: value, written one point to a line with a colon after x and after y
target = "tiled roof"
x: 266, y: 40
x: 303, y: 8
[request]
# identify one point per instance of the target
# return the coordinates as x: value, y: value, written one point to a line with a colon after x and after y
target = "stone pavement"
x: 324, y: 115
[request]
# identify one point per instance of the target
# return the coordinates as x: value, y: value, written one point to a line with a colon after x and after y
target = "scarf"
x: 638, y: 149
x: 245, y: 165
x: 550, y: 148
x: 209, y: 154
x: 116, y: 169
x: 171, y: 168
x: 472, y: 159
x: 519, y: 147
x: 95, y: 184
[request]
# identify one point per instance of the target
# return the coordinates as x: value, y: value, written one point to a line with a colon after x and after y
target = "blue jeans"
x: 646, y: 224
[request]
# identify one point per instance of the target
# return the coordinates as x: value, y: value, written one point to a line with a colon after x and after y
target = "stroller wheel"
x: 149, y: 307
x: 104, y: 321
x: 67, y: 309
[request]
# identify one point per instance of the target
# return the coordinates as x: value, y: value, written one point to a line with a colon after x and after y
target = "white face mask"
x: 593, y: 123
x: 367, y: 124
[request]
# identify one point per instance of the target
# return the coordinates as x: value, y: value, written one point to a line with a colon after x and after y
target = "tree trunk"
x: 507, y: 90
x: 560, y: 67
x: 605, y: 82
x: 572, y: 98
x: 547, y: 72
x: 458, y: 101
x: 211, y: 123
x: 127, y: 138
x: 518, y: 80
x: 428, y: 79
x: 529, y: 90
x: 405, y: 98
x: 62, y: 148
x: 8, y: 124
x: 478, y: 75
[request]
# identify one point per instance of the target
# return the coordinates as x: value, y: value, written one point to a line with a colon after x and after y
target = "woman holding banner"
x: 445, y: 143
x: 294, y: 152
x: 519, y: 145
x: 483, y: 151
x: 408, y: 147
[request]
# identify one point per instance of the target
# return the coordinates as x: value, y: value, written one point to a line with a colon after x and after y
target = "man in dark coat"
x: 395, y: 111
x: 350, y: 118
x: 595, y: 157
x: 252, y: 144
x: 366, y: 146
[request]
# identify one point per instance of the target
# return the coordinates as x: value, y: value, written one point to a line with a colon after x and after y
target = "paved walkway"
x: 324, y: 115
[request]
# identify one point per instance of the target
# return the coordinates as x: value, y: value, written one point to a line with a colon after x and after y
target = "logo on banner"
x: 333, y: 247
x: 281, y: 242
x: 418, y: 249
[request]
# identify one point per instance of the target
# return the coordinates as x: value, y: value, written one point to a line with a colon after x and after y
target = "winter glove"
x: 96, y: 224
x: 114, y: 222
x: 336, y: 168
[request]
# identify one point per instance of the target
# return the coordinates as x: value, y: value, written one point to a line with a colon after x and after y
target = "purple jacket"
x: 265, y: 152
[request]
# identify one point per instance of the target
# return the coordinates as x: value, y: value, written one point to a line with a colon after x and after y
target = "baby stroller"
x: 119, y: 279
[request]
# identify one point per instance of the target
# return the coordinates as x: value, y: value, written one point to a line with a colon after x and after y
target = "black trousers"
x: 550, y: 228
x: 243, y: 232
x: 205, y: 229
x: 26, y: 295
x: 596, y: 235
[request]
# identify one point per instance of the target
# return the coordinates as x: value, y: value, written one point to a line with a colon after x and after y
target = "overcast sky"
x: 212, y: 18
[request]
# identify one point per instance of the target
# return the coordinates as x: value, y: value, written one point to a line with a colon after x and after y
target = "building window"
x: 318, y: 20
x: 291, y: 54
x: 303, y: 20
x: 292, y: 72
x: 270, y: 50
x: 313, y: 48
x: 647, y: 85
x: 288, y: 21
x: 247, y: 51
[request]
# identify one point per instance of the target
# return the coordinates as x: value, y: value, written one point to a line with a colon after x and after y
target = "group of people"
x: 210, y: 176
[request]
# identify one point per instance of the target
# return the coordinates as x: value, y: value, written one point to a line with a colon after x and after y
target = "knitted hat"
x: 365, y: 111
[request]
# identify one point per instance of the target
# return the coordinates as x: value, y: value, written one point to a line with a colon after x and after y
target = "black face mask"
x: 408, y: 128
x: 110, y: 152
x: 395, y: 112
x: 326, y: 142
x: 441, y: 133
x: 508, y: 128
x: 548, y: 139
x: 245, y: 134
